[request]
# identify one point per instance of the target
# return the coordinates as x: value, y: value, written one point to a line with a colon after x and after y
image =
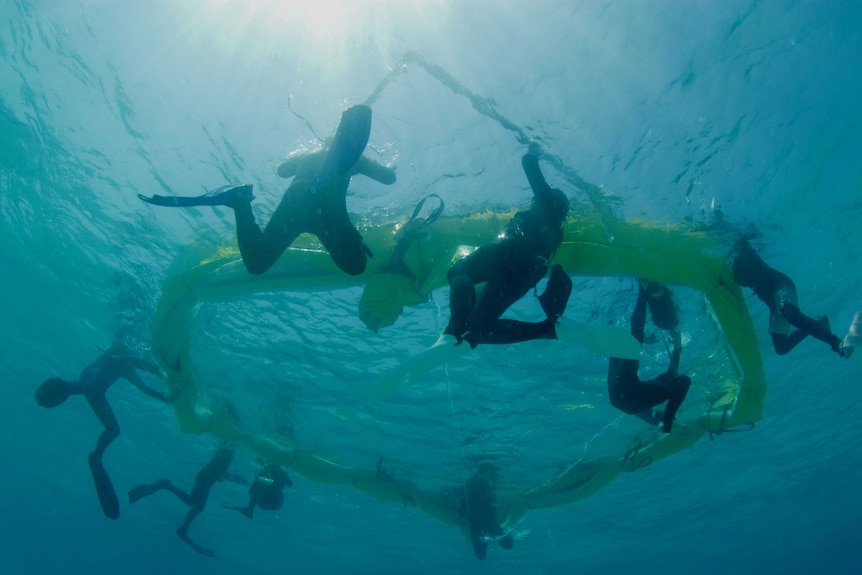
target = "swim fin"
x: 104, y: 488
x: 605, y: 339
x: 136, y: 493
x: 557, y: 292
x: 443, y: 351
x: 223, y: 196
x: 199, y: 548
x: 351, y: 137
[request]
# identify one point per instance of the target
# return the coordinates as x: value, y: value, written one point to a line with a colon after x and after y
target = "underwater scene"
x: 431, y: 286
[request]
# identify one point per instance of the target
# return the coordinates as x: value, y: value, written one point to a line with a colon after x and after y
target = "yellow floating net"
x: 593, y: 246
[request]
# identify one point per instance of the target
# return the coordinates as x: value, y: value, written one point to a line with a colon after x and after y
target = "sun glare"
x: 329, y: 29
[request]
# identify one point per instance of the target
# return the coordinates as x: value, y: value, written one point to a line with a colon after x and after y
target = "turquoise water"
x: 658, y: 109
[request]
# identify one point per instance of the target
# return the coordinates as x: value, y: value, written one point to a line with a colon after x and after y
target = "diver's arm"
x: 378, y: 172
x: 288, y: 168
x: 148, y: 365
x: 135, y: 379
x: 540, y: 187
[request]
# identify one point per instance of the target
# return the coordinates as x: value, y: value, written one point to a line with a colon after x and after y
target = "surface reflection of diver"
x: 479, y: 507
x: 266, y: 491
x: 93, y: 383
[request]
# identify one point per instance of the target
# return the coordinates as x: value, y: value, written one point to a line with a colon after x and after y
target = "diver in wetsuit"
x: 315, y: 202
x: 626, y: 390
x: 510, y: 267
x: 479, y: 507
x: 93, y: 383
x: 778, y: 292
x: 214, y: 471
x: 266, y: 491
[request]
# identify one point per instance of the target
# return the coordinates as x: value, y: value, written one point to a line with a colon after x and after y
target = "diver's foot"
x: 233, y: 196
x: 837, y: 345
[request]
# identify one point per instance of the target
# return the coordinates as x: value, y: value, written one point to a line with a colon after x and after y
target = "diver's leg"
x: 504, y: 331
x: 677, y: 389
x: 513, y: 275
x: 557, y: 292
x: 784, y: 343
x: 345, y: 246
x: 816, y: 328
x: 183, y: 531
x: 181, y: 495
x: 638, y: 321
x: 261, y: 249
x: 660, y: 301
x: 626, y: 391
x: 463, y: 277
x: 104, y: 487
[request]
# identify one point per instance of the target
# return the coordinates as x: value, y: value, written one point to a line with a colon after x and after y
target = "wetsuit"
x: 778, y: 292
x: 626, y: 390
x: 319, y: 210
x: 315, y: 202
x: 509, y: 267
x: 214, y: 471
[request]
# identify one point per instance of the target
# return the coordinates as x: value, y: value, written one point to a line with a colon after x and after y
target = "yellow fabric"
x: 591, y: 247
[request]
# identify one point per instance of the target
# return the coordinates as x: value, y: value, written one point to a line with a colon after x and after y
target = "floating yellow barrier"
x: 592, y: 246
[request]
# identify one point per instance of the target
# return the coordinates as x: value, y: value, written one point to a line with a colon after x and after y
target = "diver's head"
x: 556, y: 206
x: 52, y: 392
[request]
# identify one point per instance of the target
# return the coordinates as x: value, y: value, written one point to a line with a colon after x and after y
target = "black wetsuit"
x: 778, y: 292
x: 479, y: 506
x: 266, y: 491
x: 93, y: 383
x: 509, y: 267
x: 626, y: 390
x: 321, y: 211
x: 214, y: 471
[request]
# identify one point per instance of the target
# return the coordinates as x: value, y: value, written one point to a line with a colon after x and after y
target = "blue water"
x: 662, y: 109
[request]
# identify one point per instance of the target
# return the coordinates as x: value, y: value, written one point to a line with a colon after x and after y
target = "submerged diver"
x: 266, y: 491
x: 93, y: 383
x: 778, y: 292
x: 214, y: 471
x: 510, y: 267
x: 314, y: 203
x: 626, y: 390
x: 479, y: 507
